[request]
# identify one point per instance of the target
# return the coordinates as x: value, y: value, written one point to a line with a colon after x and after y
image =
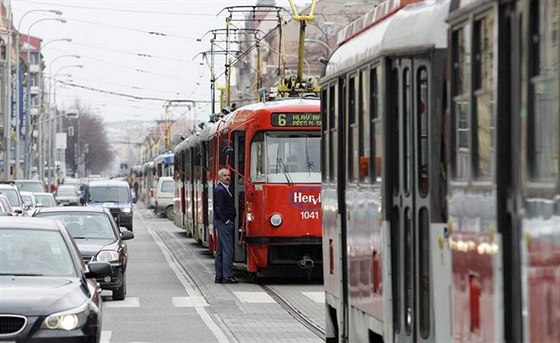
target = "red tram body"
x: 441, y: 173
x: 273, y: 151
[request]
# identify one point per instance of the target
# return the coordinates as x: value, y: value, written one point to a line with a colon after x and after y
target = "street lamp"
x: 27, y: 148
x: 18, y: 84
x: 53, y: 113
x: 50, y: 69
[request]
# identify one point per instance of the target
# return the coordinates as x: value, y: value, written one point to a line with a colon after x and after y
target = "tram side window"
x: 352, y: 152
x: 375, y: 131
x: 460, y: 86
x: 364, y: 127
x: 484, y: 119
x: 333, y: 126
x: 543, y: 153
x: 258, y: 159
x: 326, y: 100
x: 423, y: 107
x: 407, y: 129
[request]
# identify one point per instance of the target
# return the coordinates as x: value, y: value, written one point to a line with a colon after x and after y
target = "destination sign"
x: 296, y: 119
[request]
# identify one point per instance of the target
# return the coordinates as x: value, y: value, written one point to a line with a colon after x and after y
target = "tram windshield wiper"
x: 310, y: 166
x: 280, y: 163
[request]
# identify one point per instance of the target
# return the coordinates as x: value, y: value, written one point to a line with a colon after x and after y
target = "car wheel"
x: 120, y: 294
x: 170, y: 212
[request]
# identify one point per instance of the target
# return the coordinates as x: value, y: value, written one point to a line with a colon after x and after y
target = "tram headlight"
x: 276, y: 219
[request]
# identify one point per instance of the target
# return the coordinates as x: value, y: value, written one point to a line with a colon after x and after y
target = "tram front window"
x: 286, y: 157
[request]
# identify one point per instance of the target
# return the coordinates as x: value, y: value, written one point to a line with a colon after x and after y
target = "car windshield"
x: 34, y: 253
x: 45, y: 199
x: 109, y: 194
x: 84, y: 225
x: 286, y: 157
x: 30, y: 186
x: 12, y: 196
x: 66, y: 192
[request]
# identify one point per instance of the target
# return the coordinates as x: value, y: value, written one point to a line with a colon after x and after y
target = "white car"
x: 163, y: 199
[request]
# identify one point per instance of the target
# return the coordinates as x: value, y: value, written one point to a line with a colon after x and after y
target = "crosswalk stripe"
x: 254, y: 297
x: 188, y: 301
x: 318, y: 297
x: 127, y: 302
x: 105, y: 336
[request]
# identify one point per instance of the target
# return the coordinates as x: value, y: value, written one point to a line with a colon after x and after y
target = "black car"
x: 98, y: 238
x: 46, y: 294
x: 114, y: 195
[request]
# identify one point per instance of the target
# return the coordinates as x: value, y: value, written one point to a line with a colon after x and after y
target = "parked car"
x: 98, y: 238
x: 68, y: 195
x: 30, y: 186
x: 45, y: 200
x: 13, y: 195
x: 165, y: 192
x: 114, y: 195
x: 47, y: 295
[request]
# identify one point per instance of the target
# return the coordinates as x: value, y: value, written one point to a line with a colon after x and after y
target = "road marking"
x: 188, y: 301
x: 318, y: 297
x: 127, y: 302
x: 187, y: 284
x: 105, y: 336
x: 254, y: 297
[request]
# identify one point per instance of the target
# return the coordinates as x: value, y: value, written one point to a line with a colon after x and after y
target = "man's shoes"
x: 219, y: 279
x: 230, y: 279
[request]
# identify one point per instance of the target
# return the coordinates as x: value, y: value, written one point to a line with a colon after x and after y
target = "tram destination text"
x: 296, y: 119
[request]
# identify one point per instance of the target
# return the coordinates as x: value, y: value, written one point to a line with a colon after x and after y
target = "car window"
x: 30, y: 187
x: 34, y: 252
x: 66, y: 192
x: 109, y: 194
x: 12, y: 196
x: 168, y: 186
x: 46, y: 200
x: 82, y: 225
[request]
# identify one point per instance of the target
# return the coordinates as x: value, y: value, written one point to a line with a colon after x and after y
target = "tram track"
x: 295, y: 312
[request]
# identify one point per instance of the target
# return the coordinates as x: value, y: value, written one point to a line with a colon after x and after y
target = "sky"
x: 120, y: 55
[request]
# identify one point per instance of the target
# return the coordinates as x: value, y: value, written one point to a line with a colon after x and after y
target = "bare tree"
x: 88, y: 149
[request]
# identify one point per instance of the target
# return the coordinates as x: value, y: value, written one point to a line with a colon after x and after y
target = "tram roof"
x: 417, y: 26
x: 166, y: 158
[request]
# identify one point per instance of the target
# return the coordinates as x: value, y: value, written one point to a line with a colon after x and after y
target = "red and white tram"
x: 441, y: 173
x: 273, y: 151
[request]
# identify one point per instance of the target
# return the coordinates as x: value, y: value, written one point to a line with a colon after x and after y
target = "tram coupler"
x: 307, y: 264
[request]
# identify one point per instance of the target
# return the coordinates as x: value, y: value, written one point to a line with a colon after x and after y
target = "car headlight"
x: 107, y: 256
x: 67, y: 320
x: 126, y: 210
x: 276, y: 219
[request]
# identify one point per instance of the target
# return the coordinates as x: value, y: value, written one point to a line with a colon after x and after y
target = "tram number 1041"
x: 306, y: 215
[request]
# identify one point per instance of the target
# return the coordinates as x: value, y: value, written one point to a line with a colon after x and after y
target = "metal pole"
x: 17, y: 116
x: 8, y: 97
x: 28, y: 132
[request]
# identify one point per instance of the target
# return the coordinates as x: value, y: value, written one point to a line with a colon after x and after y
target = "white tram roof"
x: 208, y: 131
x: 416, y: 26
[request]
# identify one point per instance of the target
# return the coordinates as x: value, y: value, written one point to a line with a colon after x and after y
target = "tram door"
x: 408, y: 117
x: 238, y: 188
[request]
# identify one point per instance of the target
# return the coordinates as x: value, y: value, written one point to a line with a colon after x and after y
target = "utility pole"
x: 8, y: 96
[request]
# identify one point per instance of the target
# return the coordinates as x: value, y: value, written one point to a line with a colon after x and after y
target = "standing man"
x: 224, y: 215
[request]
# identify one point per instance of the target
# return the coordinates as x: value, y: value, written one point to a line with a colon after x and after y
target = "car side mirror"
x: 18, y: 211
x: 126, y: 234
x: 98, y: 270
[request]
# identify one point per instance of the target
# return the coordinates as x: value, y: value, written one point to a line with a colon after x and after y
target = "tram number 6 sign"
x: 296, y: 119
x: 305, y: 215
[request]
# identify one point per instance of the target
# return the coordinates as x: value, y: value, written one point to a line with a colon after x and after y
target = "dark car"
x: 46, y: 294
x: 114, y: 195
x: 98, y: 238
